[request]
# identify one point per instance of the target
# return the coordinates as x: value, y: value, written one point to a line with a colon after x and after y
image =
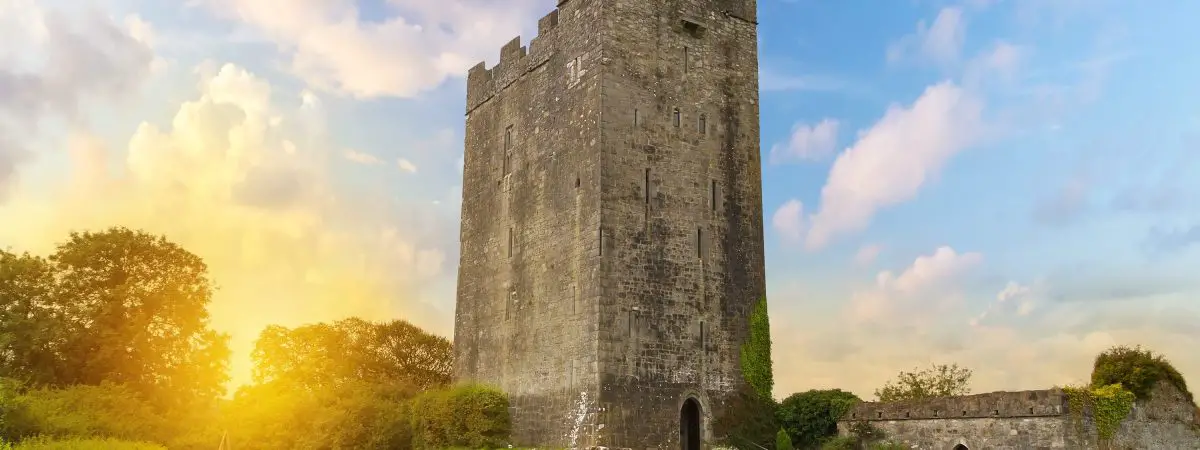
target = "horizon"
x: 998, y: 184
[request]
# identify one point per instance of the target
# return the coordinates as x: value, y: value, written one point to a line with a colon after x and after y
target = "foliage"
x: 355, y: 415
x: 323, y: 355
x: 756, y: 352
x: 1137, y: 370
x: 1109, y: 406
x: 782, y: 440
x: 811, y: 417
x: 107, y: 410
x: 118, y: 305
x: 890, y: 445
x: 468, y: 415
x: 81, y: 444
x: 939, y: 381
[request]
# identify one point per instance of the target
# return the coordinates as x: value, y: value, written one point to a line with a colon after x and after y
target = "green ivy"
x: 1109, y: 405
x: 756, y: 352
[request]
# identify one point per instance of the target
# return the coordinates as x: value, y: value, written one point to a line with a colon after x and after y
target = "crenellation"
x: 548, y: 23
x: 1047, y: 402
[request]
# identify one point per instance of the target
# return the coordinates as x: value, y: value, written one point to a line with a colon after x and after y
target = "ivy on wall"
x: 1109, y: 405
x: 756, y: 352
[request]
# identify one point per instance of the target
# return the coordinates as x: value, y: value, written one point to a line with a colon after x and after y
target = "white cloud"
x: 808, y: 142
x: 789, y: 221
x: 50, y: 64
x: 940, y: 42
x: 414, y: 48
x: 362, y: 158
x: 406, y: 165
x: 867, y: 254
x: 894, y: 159
x: 920, y: 287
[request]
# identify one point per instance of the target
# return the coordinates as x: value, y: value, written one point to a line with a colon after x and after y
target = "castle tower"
x: 612, y: 236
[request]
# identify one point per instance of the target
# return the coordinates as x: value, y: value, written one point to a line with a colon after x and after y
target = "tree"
x: 31, y: 337
x: 1137, y: 370
x: 811, y: 417
x: 115, y: 306
x: 323, y: 355
x: 939, y: 381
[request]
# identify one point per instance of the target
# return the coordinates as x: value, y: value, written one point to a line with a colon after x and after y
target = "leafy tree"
x: 811, y: 417
x: 1137, y: 370
x: 939, y: 381
x: 107, y: 410
x: 120, y: 306
x: 323, y: 355
x: 136, y: 313
x: 30, y: 335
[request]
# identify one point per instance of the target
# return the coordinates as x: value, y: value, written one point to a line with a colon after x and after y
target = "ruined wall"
x: 528, y: 282
x: 682, y: 204
x: 1028, y: 420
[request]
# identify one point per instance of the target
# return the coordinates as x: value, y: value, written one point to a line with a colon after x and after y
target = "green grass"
x: 79, y: 444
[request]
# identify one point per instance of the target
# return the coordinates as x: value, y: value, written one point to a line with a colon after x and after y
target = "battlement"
x: 515, y: 61
x: 1040, y: 403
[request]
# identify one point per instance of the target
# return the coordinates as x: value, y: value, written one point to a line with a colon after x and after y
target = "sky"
x: 1008, y: 185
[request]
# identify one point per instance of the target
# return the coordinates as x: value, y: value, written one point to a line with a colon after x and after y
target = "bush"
x: 1137, y: 370
x: 108, y: 410
x: 782, y: 440
x: 43, y: 443
x: 811, y: 417
x: 462, y: 416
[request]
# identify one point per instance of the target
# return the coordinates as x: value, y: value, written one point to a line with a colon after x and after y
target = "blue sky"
x: 1004, y: 184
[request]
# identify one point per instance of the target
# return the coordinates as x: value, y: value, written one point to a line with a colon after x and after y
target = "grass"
x: 79, y: 444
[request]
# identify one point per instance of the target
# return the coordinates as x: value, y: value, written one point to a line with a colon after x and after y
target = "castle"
x: 612, y: 231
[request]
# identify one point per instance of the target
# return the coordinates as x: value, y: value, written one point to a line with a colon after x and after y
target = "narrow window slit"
x: 646, y: 187
x: 702, y: 126
x: 699, y: 242
x: 676, y: 119
x: 636, y: 117
x: 510, y: 241
x: 713, y: 194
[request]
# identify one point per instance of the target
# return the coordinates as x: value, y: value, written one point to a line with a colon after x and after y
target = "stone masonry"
x: 1029, y: 420
x: 612, y: 235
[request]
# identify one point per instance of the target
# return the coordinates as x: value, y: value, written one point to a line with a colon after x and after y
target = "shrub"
x: 811, y: 417
x: 782, y: 440
x: 43, y: 443
x: 107, y: 410
x: 1137, y: 370
x: 462, y: 416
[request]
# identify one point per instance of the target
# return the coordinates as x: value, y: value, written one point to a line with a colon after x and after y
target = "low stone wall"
x: 1029, y: 420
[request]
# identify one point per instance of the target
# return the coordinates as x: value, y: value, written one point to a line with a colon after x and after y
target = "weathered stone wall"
x: 1029, y: 420
x: 637, y: 240
x: 682, y: 202
x: 528, y: 278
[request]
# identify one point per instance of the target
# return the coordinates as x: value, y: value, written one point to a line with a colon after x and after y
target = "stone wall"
x: 1029, y: 420
x: 612, y: 237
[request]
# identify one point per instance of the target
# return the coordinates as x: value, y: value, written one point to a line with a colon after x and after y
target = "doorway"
x: 961, y: 447
x: 689, y: 425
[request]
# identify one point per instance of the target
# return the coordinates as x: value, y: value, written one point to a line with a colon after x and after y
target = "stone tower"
x: 612, y: 235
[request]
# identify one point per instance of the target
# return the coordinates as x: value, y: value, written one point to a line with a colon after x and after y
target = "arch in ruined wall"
x: 961, y: 447
x: 690, y: 424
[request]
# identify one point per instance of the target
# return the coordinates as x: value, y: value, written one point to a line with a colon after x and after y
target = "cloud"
x: 921, y: 286
x: 1014, y: 298
x: 362, y: 158
x: 894, y: 159
x: 245, y: 184
x: 808, y: 142
x: 413, y: 48
x: 940, y: 42
x: 867, y: 254
x: 1169, y: 240
x: 788, y: 221
x: 772, y: 80
x: 49, y: 64
x: 406, y: 165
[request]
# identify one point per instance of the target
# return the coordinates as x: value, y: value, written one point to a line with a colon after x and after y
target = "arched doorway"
x: 961, y: 447
x: 689, y: 425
